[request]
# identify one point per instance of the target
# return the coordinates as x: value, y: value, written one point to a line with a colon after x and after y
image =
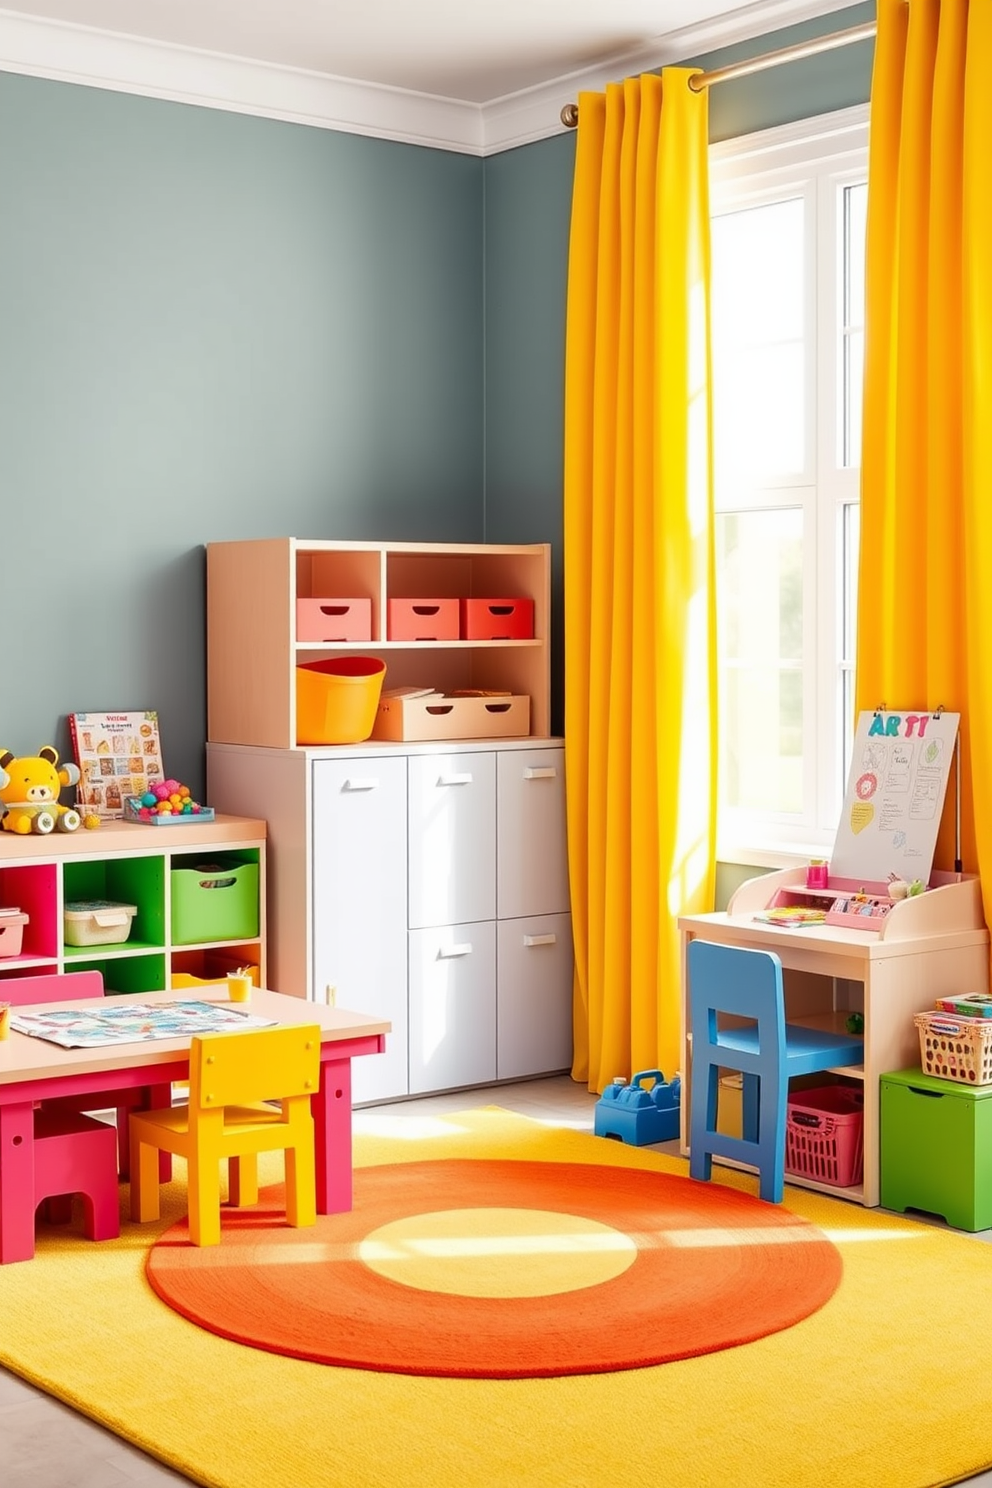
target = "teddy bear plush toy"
x: 29, y: 792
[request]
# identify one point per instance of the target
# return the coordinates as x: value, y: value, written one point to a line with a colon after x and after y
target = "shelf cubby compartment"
x: 214, y: 963
x: 32, y: 888
x: 124, y: 973
x: 139, y: 881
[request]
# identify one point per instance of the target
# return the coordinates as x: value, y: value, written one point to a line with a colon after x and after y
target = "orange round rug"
x: 504, y: 1269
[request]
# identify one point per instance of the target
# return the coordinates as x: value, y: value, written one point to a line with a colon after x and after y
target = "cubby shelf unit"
x: 252, y: 646
x: 131, y: 864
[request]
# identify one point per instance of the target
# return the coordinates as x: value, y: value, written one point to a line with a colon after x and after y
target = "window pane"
x: 852, y: 328
x: 758, y: 417
x: 760, y: 614
x: 759, y: 387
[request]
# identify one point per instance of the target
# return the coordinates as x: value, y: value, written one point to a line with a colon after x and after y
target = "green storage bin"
x: 214, y: 898
x: 936, y: 1148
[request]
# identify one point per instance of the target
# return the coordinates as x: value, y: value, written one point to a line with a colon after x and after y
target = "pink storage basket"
x: 824, y: 1135
x: 12, y: 932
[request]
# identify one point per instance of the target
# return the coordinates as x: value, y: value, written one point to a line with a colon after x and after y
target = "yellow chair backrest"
x: 229, y: 1069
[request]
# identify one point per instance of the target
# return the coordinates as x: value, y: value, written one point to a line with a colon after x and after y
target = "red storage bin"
x: 497, y: 619
x: 333, y: 620
x: 422, y: 619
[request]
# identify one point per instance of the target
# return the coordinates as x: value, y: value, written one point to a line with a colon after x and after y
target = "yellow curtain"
x: 640, y: 666
x: 925, y: 577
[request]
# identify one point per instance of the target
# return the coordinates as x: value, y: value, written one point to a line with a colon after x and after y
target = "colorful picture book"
x: 119, y: 755
x: 124, y: 1023
x: 967, y: 1005
x: 792, y: 915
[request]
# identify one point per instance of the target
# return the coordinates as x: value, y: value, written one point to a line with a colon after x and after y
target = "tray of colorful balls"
x: 167, y: 803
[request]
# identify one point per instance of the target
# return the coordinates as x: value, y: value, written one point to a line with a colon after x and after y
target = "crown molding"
x: 127, y: 64
x: 100, y: 59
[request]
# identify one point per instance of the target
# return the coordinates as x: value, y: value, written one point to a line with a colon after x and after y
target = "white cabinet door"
x: 452, y: 1007
x: 452, y: 847
x: 359, y: 905
x: 534, y: 996
x: 531, y: 856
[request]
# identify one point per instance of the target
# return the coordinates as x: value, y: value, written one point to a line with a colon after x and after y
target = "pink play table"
x: 32, y: 1069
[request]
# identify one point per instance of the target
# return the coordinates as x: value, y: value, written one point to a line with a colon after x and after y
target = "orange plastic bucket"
x: 336, y: 701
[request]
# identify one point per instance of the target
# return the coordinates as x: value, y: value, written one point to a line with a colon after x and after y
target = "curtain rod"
x: 817, y: 44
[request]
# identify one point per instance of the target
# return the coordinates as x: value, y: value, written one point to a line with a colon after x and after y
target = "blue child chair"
x: 747, y: 984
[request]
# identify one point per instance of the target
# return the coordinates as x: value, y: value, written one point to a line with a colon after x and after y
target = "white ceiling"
x: 473, y: 53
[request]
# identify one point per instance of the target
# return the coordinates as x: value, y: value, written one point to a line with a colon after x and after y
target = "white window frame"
x: 816, y: 157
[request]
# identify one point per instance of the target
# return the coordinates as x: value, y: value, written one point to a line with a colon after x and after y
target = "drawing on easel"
x: 895, y: 795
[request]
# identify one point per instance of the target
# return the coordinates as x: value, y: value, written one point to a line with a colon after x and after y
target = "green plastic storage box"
x: 936, y: 1148
x: 214, y: 898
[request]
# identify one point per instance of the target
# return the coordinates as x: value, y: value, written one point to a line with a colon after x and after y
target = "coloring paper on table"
x: 895, y: 795
x: 118, y: 754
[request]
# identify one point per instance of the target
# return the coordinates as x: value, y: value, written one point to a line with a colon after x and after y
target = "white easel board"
x: 895, y: 795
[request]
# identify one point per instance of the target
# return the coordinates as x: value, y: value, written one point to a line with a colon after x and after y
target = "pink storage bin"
x: 422, y: 619
x: 824, y: 1134
x: 497, y: 619
x: 333, y: 620
x: 12, y: 933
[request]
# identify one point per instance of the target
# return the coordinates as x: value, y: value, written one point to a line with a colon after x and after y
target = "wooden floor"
x: 44, y: 1444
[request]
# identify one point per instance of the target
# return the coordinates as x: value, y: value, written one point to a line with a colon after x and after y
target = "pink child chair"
x: 73, y: 1153
x: 73, y: 986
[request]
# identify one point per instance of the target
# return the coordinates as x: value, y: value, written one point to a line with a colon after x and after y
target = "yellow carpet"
x: 886, y: 1386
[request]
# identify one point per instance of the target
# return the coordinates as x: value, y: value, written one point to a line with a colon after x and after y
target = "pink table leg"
x: 17, y: 1182
x: 332, y: 1135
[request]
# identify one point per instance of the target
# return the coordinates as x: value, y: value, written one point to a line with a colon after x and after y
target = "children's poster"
x: 895, y: 795
x: 118, y: 754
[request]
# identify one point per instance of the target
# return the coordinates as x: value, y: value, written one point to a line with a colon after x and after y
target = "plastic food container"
x: 98, y: 922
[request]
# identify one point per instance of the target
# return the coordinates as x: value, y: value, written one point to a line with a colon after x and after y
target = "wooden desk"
x: 930, y: 946
x: 32, y: 1069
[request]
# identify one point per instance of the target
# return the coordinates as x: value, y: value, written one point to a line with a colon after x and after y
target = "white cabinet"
x: 452, y: 1006
x: 452, y: 838
x: 359, y: 904
x: 534, y: 1028
x: 427, y: 883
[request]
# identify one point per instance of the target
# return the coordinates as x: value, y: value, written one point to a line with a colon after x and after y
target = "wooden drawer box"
x: 422, y: 619
x: 437, y: 717
x: 333, y: 620
x: 497, y: 619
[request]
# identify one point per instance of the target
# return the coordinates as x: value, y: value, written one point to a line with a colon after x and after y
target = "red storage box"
x: 333, y: 620
x: 422, y: 619
x: 824, y: 1135
x: 497, y: 619
x: 12, y: 924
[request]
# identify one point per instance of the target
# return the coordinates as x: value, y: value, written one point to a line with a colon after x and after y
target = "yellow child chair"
x: 231, y: 1076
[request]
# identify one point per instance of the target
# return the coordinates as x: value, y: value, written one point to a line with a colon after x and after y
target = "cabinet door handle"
x: 540, y: 772
x: 533, y: 940
x: 361, y: 782
x: 454, y: 779
x: 464, y: 949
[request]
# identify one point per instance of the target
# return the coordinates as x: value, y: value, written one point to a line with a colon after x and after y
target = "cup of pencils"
x: 4, y: 1020
x: 239, y: 985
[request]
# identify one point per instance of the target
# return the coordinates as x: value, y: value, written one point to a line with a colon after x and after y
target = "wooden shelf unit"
x: 933, y: 945
x: 128, y: 863
x: 253, y: 651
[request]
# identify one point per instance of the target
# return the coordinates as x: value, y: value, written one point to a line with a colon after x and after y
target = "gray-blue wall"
x: 211, y: 326
x: 217, y: 326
